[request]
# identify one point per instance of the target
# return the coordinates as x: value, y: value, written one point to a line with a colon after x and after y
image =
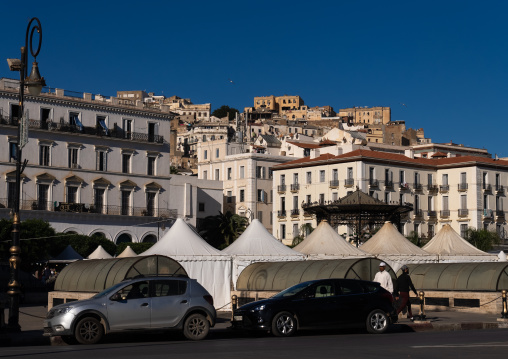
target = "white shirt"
x: 385, y: 280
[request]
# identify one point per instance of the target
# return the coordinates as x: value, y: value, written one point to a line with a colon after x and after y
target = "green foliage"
x: 173, y: 170
x: 136, y: 247
x: 296, y: 241
x: 222, y: 230
x: 224, y: 111
x: 414, y: 238
x: 482, y: 239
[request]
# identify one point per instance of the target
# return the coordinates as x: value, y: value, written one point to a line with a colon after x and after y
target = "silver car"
x: 148, y: 303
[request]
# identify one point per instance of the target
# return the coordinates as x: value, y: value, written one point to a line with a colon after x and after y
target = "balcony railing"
x: 295, y: 187
x: 418, y: 187
x: 418, y: 213
x: 349, y: 182
x: 295, y: 212
x: 488, y: 213
x: 462, y: 187
x: 91, y: 208
x: 445, y: 213
x: 500, y: 189
x: 117, y: 132
x: 500, y: 214
x: 404, y: 187
x: 334, y: 183
x: 281, y: 214
x: 373, y: 183
x: 432, y: 188
x: 389, y: 185
x: 487, y: 187
x: 281, y: 188
x: 432, y: 214
x: 463, y: 212
x: 444, y: 188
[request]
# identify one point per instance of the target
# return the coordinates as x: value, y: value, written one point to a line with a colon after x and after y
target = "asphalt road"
x: 459, y: 344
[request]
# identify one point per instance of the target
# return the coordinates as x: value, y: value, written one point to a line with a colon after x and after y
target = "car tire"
x: 283, y: 325
x: 196, y: 327
x: 89, y: 331
x: 377, y: 322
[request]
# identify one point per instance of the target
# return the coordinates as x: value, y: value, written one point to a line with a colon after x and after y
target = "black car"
x: 319, y: 304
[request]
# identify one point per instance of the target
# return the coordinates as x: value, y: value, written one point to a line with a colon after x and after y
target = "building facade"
x: 97, y: 166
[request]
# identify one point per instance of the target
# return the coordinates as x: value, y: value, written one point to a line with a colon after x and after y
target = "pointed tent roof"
x: 99, y: 253
x: 182, y: 240
x: 127, y: 252
x: 449, y: 242
x: 256, y: 240
x: 325, y: 240
x: 389, y: 241
x: 68, y: 255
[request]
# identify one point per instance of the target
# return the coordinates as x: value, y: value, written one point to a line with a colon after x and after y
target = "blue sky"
x: 446, y: 60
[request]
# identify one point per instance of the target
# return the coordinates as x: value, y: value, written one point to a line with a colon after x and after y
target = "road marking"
x: 475, y: 345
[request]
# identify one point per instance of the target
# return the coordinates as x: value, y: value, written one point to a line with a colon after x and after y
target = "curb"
x: 450, y: 327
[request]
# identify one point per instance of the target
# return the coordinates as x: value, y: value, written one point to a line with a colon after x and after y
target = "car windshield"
x: 292, y: 290
x: 108, y: 290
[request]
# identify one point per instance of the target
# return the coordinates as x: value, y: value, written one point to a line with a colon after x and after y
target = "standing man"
x: 403, y: 284
x: 384, y: 278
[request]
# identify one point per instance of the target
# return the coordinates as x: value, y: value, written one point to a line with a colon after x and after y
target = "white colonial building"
x: 97, y: 166
x: 463, y: 190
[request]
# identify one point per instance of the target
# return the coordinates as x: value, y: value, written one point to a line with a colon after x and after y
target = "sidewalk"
x: 31, y: 318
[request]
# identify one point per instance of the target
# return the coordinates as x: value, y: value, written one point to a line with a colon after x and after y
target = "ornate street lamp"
x: 34, y: 83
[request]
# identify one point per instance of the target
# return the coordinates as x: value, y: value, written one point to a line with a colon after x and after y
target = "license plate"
x: 237, y: 318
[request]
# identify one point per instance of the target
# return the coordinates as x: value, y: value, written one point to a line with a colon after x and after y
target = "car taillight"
x: 388, y: 296
x: 209, y: 299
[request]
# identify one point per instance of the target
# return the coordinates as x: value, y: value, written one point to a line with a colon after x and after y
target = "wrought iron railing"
x: 432, y: 187
x: 432, y: 214
x: 389, y: 185
x: 418, y: 187
x: 295, y: 212
x: 462, y: 187
x: 444, y: 188
x: 373, y: 182
x: 295, y: 187
x: 281, y: 188
x: 349, y: 182
x: 463, y: 212
x: 445, y: 213
x: 487, y: 187
x: 281, y: 214
x: 499, y: 189
x: 334, y: 183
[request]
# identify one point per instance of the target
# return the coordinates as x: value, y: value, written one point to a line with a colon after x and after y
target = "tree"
x: 482, y: 239
x: 222, y: 230
x: 305, y: 230
x: 224, y: 111
x: 173, y: 170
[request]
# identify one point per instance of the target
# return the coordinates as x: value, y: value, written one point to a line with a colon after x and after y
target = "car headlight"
x: 61, y: 311
x: 259, y: 308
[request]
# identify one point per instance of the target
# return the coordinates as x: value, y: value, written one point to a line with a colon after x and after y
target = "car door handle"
x: 183, y: 301
x: 144, y: 305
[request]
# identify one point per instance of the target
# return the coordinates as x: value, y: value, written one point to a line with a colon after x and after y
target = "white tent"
x: 392, y: 247
x: 451, y: 247
x: 127, y: 252
x: 99, y: 253
x: 210, y: 267
x: 256, y: 244
x: 325, y: 243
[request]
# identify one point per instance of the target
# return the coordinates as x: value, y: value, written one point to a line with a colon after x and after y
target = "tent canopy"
x: 449, y: 242
x: 277, y: 276
x: 324, y: 240
x: 95, y: 275
x: 68, y: 255
x: 256, y: 240
x: 389, y: 241
x: 487, y: 276
x: 127, y: 252
x: 99, y: 253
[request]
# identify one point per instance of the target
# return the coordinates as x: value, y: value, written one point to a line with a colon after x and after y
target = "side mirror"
x: 115, y: 297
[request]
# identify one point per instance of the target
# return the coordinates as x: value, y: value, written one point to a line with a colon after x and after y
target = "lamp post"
x: 34, y: 83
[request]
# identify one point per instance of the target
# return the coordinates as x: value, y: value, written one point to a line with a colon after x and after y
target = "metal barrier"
x: 234, y: 305
x: 504, y: 313
x: 421, y: 294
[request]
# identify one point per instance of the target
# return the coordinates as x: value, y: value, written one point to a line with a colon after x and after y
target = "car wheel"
x: 377, y: 322
x: 283, y: 324
x: 89, y: 331
x: 196, y: 327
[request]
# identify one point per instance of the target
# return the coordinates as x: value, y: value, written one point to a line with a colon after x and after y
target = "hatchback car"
x: 148, y: 303
x: 319, y: 304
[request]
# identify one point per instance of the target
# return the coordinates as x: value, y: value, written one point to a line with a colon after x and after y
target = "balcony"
x: 91, y: 208
x: 488, y: 214
x: 500, y: 215
x: 404, y: 187
x: 462, y: 187
x: 417, y: 214
x: 444, y: 188
x: 281, y: 214
x: 295, y: 212
x: 432, y: 188
x: 389, y: 185
x: 418, y: 188
x: 432, y: 214
x: 463, y: 212
x: 349, y: 182
x: 487, y: 188
x: 295, y: 187
x: 500, y: 190
x: 281, y: 188
x: 444, y: 213
x: 373, y: 183
x: 99, y: 131
x: 334, y: 183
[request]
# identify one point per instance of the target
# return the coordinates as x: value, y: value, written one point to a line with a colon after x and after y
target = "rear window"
x: 164, y: 288
x: 350, y: 287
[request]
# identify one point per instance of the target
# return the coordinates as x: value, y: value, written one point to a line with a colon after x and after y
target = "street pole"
x: 34, y: 83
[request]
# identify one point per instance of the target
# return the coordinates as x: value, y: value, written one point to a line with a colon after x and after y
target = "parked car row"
x: 181, y: 303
